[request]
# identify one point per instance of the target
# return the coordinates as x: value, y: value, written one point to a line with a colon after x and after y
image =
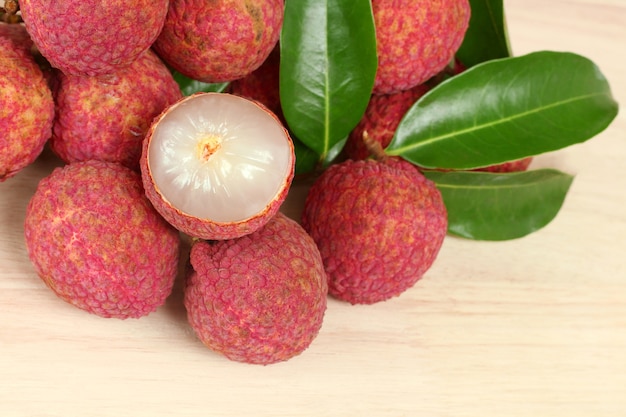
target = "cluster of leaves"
x: 500, y: 109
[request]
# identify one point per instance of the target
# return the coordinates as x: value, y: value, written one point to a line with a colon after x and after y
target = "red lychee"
x: 219, y: 40
x: 26, y: 104
x: 262, y: 84
x: 378, y: 225
x: 381, y: 119
x: 416, y: 39
x: 96, y: 241
x: 260, y: 298
x: 511, y: 166
x: 107, y: 117
x: 93, y: 37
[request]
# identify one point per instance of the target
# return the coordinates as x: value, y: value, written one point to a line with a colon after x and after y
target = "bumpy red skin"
x: 381, y: 119
x: 416, y: 39
x: 107, y: 117
x: 378, y: 225
x: 204, y: 228
x: 26, y: 104
x: 219, y: 40
x: 96, y: 241
x: 93, y: 37
x: 512, y: 166
x: 262, y: 84
x: 258, y: 299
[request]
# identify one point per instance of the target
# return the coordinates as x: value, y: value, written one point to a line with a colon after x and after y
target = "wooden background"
x: 530, y: 327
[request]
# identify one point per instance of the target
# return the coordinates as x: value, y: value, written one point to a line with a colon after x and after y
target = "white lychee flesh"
x: 219, y: 158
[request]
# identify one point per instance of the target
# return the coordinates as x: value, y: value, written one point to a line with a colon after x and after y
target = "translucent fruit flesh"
x: 219, y: 157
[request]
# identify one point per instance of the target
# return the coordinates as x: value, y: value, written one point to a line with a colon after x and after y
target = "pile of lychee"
x: 146, y: 170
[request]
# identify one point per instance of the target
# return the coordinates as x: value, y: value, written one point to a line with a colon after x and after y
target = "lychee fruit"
x: 219, y: 40
x: 26, y: 103
x: 381, y: 119
x: 106, y: 117
x: 262, y: 84
x: 511, y: 166
x: 216, y: 165
x: 416, y: 39
x: 96, y: 241
x: 379, y: 226
x: 93, y: 37
x: 260, y: 298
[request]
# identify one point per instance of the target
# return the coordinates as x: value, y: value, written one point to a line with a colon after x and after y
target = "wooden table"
x: 530, y: 327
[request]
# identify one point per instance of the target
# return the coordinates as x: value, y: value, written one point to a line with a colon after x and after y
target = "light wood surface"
x: 530, y: 327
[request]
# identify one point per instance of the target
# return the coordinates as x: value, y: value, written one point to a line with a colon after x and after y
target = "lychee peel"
x: 234, y: 189
x: 416, y: 39
x: 381, y: 119
x: 107, y: 117
x: 93, y: 37
x: 26, y: 103
x: 260, y: 298
x: 96, y: 241
x: 511, y: 166
x: 219, y: 40
x: 378, y: 225
x: 262, y: 84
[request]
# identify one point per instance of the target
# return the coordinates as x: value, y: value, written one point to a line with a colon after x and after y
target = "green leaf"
x: 504, y: 110
x: 486, y: 37
x: 327, y: 68
x: 306, y: 158
x: 487, y: 206
x: 189, y: 86
x: 308, y: 161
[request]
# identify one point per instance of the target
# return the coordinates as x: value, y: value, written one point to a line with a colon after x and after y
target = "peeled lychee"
x: 26, y: 104
x: 381, y: 119
x: 96, y: 241
x: 260, y: 298
x: 219, y: 40
x: 216, y: 165
x: 107, y: 117
x: 93, y: 37
x: 379, y: 226
x: 416, y: 39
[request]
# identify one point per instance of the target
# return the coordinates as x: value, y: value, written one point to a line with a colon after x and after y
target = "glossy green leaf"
x: 488, y: 206
x: 189, y: 86
x: 504, y: 110
x: 327, y: 68
x: 486, y: 37
x: 306, y: 159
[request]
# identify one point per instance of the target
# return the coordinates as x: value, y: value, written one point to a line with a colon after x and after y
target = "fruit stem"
x: 374, y: 147
x: 8, y: 13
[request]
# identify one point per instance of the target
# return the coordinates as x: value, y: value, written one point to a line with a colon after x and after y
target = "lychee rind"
x: 260, y: 298
x: 219, y: 40
x: 511, y: 166
x: 378, y: 225
x: 416, y: 39
x: 107, y: 117
x: 93, y: 37
x: 26, y: 103
x: 381, y: 119
x: 262, y: 84
x: 206, y: 228
x: 96, y: 241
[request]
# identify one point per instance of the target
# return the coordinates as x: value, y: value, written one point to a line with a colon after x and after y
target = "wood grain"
x: 530, y: 327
